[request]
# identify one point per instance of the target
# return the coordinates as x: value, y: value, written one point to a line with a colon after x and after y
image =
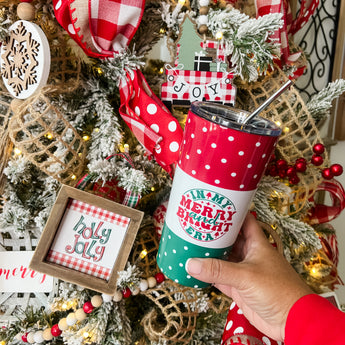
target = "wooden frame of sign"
x: 87, y: 240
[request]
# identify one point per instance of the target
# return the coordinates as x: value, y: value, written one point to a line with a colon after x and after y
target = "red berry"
x: 319, y: 148
x: 159, y: 277
x: 126, y: 292
x: 301, y: 159
x: 55, y: 331
x: 291, y: 171
x: 272, y: 170
x: 294, y: 179
x: 336, y: 169
x: 301, y: 166
x: 316, y: 159
x: 25, y: 337
x: 281, y: 164
x: 327, y: 174
x: 282, y: 173
x: 88, y: 307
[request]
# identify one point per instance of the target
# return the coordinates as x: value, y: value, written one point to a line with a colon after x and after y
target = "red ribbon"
x: 290, y: 26
x: 322, y: 213
x: 103, y: 28
x: 100, y: 27
x: 150, y: 121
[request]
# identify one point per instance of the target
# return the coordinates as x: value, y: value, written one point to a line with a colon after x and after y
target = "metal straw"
x: 267, y: 102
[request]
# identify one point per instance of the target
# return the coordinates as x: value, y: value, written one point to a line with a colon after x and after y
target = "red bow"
x: 290, y: 27
x: 322, y: 213
x: 103, y: 28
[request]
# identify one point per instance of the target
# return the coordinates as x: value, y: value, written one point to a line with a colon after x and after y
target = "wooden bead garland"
x: 26, y: 11
x: 80, y: 314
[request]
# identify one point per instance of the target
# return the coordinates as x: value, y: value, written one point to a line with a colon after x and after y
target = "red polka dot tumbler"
x: 220, y: 166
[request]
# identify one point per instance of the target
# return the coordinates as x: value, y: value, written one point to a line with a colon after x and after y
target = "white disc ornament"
x: 25, y: 59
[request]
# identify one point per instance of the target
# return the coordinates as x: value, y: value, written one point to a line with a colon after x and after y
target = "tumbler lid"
x: 233, y: 118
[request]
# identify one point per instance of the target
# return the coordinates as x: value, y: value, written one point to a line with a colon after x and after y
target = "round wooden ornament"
x: 25, y: 59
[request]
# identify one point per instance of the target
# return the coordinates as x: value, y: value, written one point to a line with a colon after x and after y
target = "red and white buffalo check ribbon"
x: 100, y: 27
x: 290, y: 26
x: 322, y: 213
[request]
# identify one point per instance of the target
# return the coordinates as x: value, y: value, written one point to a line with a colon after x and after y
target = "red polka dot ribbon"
x: 290, y: 26
x: 103, y: 28
x: 238, y: 330
x: 150, y: 121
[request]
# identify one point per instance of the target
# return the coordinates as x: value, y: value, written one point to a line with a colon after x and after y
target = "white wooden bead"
x: 203, y: 19
x: 152, y: 282
x: 47, y: 334
x: 80, y: 314
x: 143, y: 285
x: 107, y: 298
x: 38, y: 337
x: 204, y: 2
x: 117, y: 296
x: 97, y: 301
x: 71, y: 319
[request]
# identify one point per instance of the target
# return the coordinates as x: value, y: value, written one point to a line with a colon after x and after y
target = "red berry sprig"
x: 282, y: 169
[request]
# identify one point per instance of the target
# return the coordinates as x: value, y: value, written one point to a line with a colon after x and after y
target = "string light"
x: 86, y: 335
x: 143, y: 254
x: 73, y: 177
x: 86, y: 137
x: 49, y: 136
x: 152, y: 189
x: 219, y: 35
x: 17, y: 151
x: 278, y: 123
x: 286, y: 130
x: 161, y: 70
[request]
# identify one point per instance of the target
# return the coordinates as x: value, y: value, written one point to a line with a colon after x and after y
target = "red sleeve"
x: 313, y: 320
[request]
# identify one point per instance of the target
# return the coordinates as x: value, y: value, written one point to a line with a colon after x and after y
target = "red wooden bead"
x: 25, y: 337
x: 88, y: 307
x: 55, y: 331
x: 160, y: 277
x: 301, y: 166
x: 327, y: 174
x: 336, y: 169
x: 319, y: 148
x: 317, y: 159
x: 126, y: 292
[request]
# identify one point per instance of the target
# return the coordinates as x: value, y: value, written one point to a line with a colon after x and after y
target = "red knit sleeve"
x: 313, y: 320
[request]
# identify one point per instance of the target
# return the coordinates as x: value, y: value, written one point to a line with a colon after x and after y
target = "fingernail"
x: 194, y: 266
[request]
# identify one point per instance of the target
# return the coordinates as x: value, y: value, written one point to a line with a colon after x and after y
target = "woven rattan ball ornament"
x: 25, y: 59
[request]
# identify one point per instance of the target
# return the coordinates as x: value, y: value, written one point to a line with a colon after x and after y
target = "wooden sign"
x: 16, y: 276
x: 87, y: 240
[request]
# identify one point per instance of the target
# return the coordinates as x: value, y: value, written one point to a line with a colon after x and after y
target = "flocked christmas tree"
x: 86, y: 126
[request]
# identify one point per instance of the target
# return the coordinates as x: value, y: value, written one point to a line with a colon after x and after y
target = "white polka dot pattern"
x: 230, y: 159
x: 238, y: 330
